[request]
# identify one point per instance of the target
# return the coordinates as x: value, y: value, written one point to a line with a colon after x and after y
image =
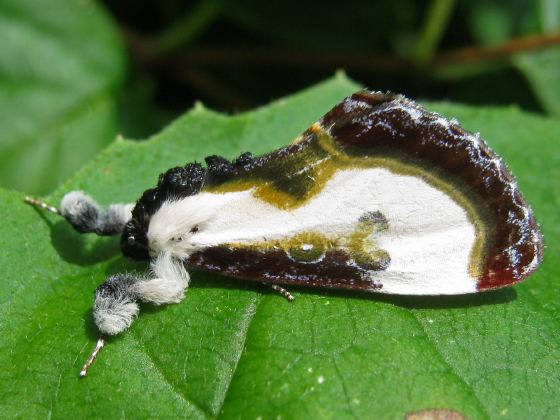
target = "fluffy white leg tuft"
x: 169, y: 282
x: 76, y: 203
x: 113, y: 315
x: 86, y: 215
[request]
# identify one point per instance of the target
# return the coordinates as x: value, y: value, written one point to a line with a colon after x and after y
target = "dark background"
x: 74, y: 74
x: 236, y: 55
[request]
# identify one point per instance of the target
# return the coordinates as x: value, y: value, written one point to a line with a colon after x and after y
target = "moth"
x: 379, y: 195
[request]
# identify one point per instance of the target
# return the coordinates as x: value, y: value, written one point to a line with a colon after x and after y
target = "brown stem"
x: 189, y: 59
x: 473, y: 54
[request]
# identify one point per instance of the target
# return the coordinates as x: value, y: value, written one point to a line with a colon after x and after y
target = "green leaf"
x: 233, y: 349
x: 60, y: 63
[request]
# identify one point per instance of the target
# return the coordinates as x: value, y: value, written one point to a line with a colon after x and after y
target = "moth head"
x: 134, y: 242
x: 177, y: 225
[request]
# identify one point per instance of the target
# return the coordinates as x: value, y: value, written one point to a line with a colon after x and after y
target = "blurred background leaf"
x: 73, y: 74
x: 495, y: 22
x: 60, y: 64
x: 238, y: 55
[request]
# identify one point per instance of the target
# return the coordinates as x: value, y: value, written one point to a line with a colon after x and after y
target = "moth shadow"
x: 501, y: 296
x: 89, y: 324
x: 493, y: 297
x: 123, y: 265
x: 207, y: 280
x: 81, y: 249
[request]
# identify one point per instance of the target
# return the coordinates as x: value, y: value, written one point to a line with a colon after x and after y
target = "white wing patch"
x: 429, y: 238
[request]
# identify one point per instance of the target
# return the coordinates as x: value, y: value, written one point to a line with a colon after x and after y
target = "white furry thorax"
x: 429, y: 238
x: 177, y: 226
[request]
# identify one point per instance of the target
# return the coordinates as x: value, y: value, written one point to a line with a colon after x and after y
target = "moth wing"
x: 378, y: 195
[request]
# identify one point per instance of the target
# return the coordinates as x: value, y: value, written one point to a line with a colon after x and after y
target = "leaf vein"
x: 253, y: 311
x: 448, y: 364
x: 184, y: 398
x: 344, y: 388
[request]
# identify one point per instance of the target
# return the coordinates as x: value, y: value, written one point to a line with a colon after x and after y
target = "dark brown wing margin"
x: 335, y: 271
x: 373, y: 120
x: 374, y: 123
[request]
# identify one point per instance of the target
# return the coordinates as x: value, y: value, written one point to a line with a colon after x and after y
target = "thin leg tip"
x: 287, y: 295
x: 37, y: 203
x: 96, y: 350
x: 30, y: 200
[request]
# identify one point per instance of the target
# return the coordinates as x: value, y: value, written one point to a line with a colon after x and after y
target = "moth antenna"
x: 96, y: 350
x: 283, y: 292
x: 41, y: 204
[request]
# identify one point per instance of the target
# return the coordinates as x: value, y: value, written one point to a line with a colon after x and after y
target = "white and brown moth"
x: 379, y: 196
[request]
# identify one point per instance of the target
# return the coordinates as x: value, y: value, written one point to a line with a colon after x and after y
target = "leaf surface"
x: 233, y: 349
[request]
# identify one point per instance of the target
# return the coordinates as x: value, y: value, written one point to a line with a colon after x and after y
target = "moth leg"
x: 168, y: 283
x: 283, y: 292
x: 115, y: 305
x: 41, y: 205
x: 85, y: 215
x: 116, y: 300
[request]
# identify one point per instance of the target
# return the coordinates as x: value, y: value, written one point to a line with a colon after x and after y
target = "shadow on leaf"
x: 124, y: 265
x: 208, y: 280
x: 89, y: 324
x: 82, y: 249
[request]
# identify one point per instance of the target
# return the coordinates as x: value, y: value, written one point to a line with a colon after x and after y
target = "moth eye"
x: 194, y: 229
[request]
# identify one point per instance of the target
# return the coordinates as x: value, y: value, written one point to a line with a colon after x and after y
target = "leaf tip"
x: 199, y: 107
x: 340, y: 74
